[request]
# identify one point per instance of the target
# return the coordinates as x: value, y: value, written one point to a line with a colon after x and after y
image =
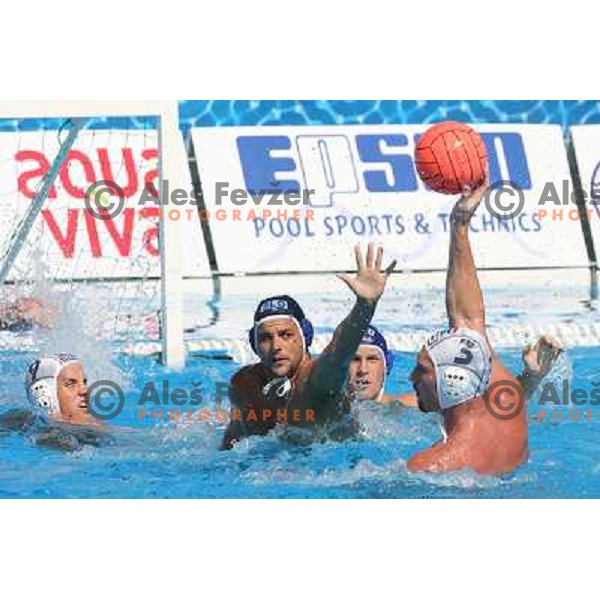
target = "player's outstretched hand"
x: 540, y: 357
x: 369, y: 282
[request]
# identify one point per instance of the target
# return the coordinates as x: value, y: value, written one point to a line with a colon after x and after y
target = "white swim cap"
x: 41, y: 378
x: 463, y: 365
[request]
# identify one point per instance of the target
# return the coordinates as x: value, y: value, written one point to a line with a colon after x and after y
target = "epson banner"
x: 296, y: 198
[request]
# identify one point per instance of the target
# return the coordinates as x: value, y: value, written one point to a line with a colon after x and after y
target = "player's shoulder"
x: 447, y: 455
x: 424, y: 461
x: 247, y: 375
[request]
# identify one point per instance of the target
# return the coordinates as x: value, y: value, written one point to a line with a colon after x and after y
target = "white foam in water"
x: 182, y: 459
x: 75, y: 331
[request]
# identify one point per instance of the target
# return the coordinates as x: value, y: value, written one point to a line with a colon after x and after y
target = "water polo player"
x: 288, y: 385
x: 457, y: 367
x: 57, y: 385
x: 369, y: 370
x: 373, y: 362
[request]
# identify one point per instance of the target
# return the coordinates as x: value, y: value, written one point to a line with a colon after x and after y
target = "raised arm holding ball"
x: 457, y: 373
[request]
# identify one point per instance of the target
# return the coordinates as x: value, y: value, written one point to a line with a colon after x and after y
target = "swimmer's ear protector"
x: 373, y: 337
x: 389, y: 362
x: 41, y: 380
x: 281, y: 306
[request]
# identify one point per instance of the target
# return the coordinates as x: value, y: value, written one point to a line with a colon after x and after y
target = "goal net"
x: 86, y: 247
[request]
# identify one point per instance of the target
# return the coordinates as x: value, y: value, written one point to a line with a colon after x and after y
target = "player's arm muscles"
x: 331, y: 370
x: 464, y: 300
x: 440, y: 458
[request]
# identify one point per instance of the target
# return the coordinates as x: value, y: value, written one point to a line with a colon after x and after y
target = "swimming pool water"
x: 176, y: 460
x: 161, y: 459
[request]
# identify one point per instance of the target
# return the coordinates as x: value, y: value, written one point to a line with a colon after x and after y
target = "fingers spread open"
x: 359, y: 259
x: 345, y: 278
x: 389, y: 270
x: 370, y: 248
x: 379, y: 260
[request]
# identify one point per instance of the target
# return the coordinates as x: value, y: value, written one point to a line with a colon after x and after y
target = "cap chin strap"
x: 284, y: 386
x: 444, y: 434
x: 284, y: 383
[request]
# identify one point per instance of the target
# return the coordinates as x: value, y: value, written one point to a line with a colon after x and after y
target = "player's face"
x: 71, y: 387
x: 423, y: 380
x: 366, y: 373
x: 280, y: 346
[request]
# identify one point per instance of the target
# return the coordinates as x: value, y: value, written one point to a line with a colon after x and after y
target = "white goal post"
x: 170, y: 157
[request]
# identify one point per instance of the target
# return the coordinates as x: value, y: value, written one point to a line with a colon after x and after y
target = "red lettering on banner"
x: 65, y: 173
x: 131, y: 166
x: 67, y: 242
x: 121, y: 236
x: 149, y: 212
x: 152, y: 176
x: 90, y: 222
x: 38, y: 173
x: 150, y: 241
x: 131, y: 187
x: 123, y: 241
x: 30, y: 179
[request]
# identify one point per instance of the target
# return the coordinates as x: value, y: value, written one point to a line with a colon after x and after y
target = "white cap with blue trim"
x: 463, y: 365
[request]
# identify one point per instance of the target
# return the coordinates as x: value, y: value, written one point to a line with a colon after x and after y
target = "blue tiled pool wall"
x: 208, y: 113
